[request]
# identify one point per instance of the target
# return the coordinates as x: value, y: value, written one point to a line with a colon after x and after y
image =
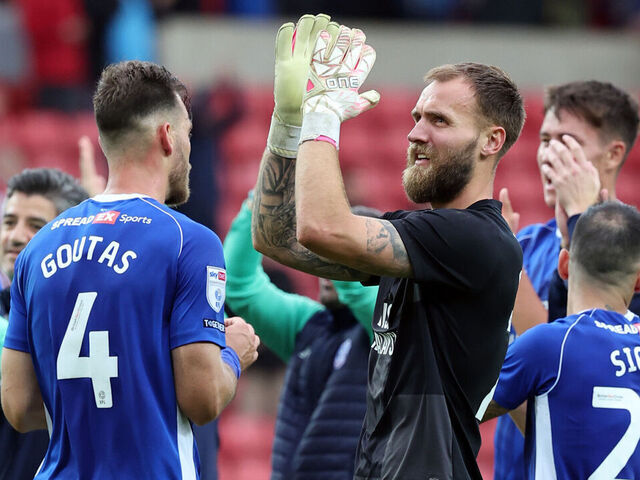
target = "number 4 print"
x: 98, y: 366
x: 622, y: 399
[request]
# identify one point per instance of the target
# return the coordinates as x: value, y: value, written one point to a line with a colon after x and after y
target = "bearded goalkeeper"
x: 447, y: 277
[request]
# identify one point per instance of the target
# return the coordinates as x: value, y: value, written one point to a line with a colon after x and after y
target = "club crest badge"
x: 216, y: 281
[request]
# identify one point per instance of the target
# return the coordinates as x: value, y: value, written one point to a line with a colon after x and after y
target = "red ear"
x: 563, y: 264
x: 164, y: 135
x: 636, y: 288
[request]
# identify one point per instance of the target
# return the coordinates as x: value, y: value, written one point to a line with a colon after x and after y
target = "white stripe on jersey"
x: 545, y: 466
x: 174, y: 219
x: 47, y: 417
x: 564, y: 340
x: 185, y: 447
x: 485, y: 402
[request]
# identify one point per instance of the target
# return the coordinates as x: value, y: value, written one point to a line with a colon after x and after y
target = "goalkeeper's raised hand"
x: 294, y: 48
x: 338, y: 70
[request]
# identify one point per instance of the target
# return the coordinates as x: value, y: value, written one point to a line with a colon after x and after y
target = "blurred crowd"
x: 58, y: 48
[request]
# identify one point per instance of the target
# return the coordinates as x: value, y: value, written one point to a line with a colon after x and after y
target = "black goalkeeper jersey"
x: 440, y: 339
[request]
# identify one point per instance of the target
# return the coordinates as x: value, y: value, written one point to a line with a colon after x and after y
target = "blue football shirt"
x: 540, y: 247
x: 581, y: 375
x: 100, y: 297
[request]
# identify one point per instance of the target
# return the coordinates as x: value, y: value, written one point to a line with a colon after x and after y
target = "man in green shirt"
x: 326, y: 347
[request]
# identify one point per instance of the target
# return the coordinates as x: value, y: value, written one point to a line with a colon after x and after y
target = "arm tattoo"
x: 274, y: 221
x: 381, y: 234
x: 274, y: 210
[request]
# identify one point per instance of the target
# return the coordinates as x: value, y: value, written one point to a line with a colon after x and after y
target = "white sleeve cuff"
x: 283, y: 139
x: 320, y: 124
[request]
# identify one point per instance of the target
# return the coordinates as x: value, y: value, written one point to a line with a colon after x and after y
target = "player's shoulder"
x: 480, y: 211
x: 196, y: 231
x: 548, y: 335
x: 196, y: 239
x: 167, y: 216
x: 536, y: 230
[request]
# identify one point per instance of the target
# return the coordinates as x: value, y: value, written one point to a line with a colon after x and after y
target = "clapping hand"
x: 294, y: 48
x: 338, y: 70
x: 512, y: 217
x: 90, y: 179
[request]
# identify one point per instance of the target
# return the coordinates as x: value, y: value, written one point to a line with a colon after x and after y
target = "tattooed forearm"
x: 274, y: 209
x: 274, y: 222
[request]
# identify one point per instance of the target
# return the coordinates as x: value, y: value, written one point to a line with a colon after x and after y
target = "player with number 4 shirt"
x: 117, y: 306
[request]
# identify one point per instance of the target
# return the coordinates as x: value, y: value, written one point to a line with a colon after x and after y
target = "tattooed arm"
x: 273, y: 226
x: 326, y: 225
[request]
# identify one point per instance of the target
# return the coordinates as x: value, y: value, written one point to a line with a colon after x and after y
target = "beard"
x: 445, y: 176
x: 178, y: 191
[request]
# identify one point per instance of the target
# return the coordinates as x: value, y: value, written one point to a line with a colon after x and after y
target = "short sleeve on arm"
x: 17, y: 332
x: 448, y: 246
x: 530, y: 367
x: 198, y: 307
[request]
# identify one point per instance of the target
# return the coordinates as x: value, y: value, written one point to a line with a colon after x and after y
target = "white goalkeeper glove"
x: 294, y: 48
x: 338, y: 70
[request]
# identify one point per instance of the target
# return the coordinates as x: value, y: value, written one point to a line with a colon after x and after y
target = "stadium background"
x: 223, y: 50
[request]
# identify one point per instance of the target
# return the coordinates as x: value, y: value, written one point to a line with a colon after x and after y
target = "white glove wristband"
x: 283, y: 139
x: 320, y: 124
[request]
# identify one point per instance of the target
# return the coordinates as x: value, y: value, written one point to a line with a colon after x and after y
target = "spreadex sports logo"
x: 621, y: 329
x: 109, y: 217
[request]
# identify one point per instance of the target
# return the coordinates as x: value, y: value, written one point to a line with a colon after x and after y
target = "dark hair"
x: 130, y: 90
x: 497, y: 96
x: 606, y: 242
x: 55, y: 185
x: 602, y: 105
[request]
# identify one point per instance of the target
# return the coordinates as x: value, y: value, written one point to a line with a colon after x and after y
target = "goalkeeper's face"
x: 444, y: 143
x: 178, y: 183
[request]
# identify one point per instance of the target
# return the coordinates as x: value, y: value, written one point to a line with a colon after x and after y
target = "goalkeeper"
x: 325, y: 345
x: 447, y: 277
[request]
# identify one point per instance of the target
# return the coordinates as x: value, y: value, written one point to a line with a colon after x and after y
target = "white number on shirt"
x: 98, y: 366
x: 622, y: 399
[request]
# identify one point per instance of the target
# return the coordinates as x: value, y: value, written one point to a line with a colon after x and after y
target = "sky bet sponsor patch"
x: 210, y: 323
x: 216, y: 281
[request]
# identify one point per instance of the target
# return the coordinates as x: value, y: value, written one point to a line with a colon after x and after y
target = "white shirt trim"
x: 114, y: 197
x: 544, y: 463
x: 185, y: 447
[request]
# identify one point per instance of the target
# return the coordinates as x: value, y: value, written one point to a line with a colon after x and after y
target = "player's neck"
x: 134, y: 177
x: 588, y: 297
x: 477, y: 189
